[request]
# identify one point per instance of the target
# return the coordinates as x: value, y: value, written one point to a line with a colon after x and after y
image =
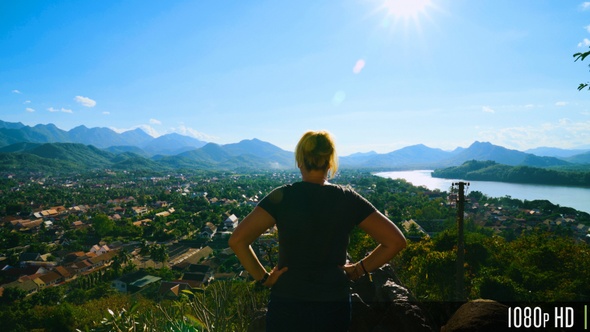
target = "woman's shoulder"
x: 341, y: 187
x: 345, y: 190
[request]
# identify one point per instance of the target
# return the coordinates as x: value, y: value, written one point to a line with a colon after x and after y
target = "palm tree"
x: 159, y: 253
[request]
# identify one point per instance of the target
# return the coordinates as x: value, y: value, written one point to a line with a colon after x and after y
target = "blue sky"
x: 380, y: 75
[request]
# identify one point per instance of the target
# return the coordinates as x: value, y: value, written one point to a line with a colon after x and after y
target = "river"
x: 574, y: 197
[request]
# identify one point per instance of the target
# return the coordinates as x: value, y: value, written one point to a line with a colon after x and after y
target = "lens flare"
x: 338, y: 98
x: 358, y: 67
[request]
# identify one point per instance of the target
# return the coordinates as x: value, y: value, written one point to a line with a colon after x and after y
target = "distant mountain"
x: 257, y: 148
x: 583, y: 158
x: 136, y: 137
x: 210, y: 153
x: 99, y: 137
x: 41, y: 157
x: 421, y: 156
x: 357, y: 159
x: 247, y: 153
x: 488, y: 151
x: 501, y: 155
x: 136, y: 147
x: 11, y: 125
x: 555, y: 152
x: 11, y: 133
x: 415, y: 155
x: 171, y: 144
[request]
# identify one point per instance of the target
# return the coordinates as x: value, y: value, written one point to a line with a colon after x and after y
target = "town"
x: 158, y: 235
x: 107, y: 226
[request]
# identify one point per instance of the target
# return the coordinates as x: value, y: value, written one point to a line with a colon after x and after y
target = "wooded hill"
x: 492, y: 171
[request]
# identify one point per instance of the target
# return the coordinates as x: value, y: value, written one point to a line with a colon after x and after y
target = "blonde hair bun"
x: 316, y: 150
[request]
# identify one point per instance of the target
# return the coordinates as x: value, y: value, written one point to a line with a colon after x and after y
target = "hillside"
x: 66, y: 157
x: 492, y: 171
x: 61, y: 157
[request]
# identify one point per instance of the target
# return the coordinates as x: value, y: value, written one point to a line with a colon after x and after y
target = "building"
x: 133, y: 282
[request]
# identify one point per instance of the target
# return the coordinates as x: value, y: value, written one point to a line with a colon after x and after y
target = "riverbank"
x: 574, y: 197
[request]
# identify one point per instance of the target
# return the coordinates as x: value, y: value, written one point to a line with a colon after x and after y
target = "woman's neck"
x: 314, y: 176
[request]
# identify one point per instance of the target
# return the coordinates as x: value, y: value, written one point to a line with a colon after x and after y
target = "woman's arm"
x: 244, y: 235
x: 390, y: 239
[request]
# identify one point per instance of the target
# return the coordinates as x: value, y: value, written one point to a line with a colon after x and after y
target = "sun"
x: 404, y: 12
x: 406, y: 9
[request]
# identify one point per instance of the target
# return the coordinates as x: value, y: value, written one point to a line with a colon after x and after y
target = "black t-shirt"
x: 314, y: 223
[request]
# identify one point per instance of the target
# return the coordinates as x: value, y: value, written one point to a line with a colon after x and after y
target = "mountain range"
x: 45, y: 147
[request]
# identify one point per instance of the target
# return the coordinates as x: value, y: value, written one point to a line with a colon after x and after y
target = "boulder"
x: 380, y: 305
x: 385, y: 305
x: 478, y: 315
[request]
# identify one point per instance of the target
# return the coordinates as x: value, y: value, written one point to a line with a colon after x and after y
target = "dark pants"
x: 295, y: 315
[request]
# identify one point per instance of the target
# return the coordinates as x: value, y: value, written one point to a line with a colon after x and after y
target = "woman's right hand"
x: 274, y: 276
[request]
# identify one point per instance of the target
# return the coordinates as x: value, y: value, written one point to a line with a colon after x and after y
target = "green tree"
x: 159, y: 253
x: 103, y: 225
x: 61, y: 319
x: 11, y: 295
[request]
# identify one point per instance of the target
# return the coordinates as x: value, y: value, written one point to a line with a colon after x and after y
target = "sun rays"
x: 404, y: 12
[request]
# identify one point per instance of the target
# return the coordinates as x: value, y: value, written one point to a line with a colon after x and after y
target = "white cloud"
x: 561, y: 103
x: 64, y: 110
x: 564, y: 134
x: 587, y: 28
x: 27, y: 102
x: 585, y: 42
x: 487, y: 109
x: 30, y: 110
x: 156, y: 122
x: 585, y: 5
x: 182, y: 130
x: 186, y: 131
x: 85, y: 101
x: 16, y: 91
x: 106, y: 113
x: 148, y: 129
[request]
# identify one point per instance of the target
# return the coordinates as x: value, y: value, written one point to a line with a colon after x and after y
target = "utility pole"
x: 460, y: 269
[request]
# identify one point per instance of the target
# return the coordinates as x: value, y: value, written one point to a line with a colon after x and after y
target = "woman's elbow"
x: 402, y: 243
x: 399, y: 243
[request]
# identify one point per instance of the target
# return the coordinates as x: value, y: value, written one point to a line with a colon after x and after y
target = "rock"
x: 385, y: 305
x: 478, y: 315
x: 381, y: 305
x: 258, y: 323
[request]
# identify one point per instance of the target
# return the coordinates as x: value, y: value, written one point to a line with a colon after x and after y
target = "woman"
x: 310, y: 286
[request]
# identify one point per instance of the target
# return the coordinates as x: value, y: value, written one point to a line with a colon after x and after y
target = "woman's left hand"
x: 352, y: 271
